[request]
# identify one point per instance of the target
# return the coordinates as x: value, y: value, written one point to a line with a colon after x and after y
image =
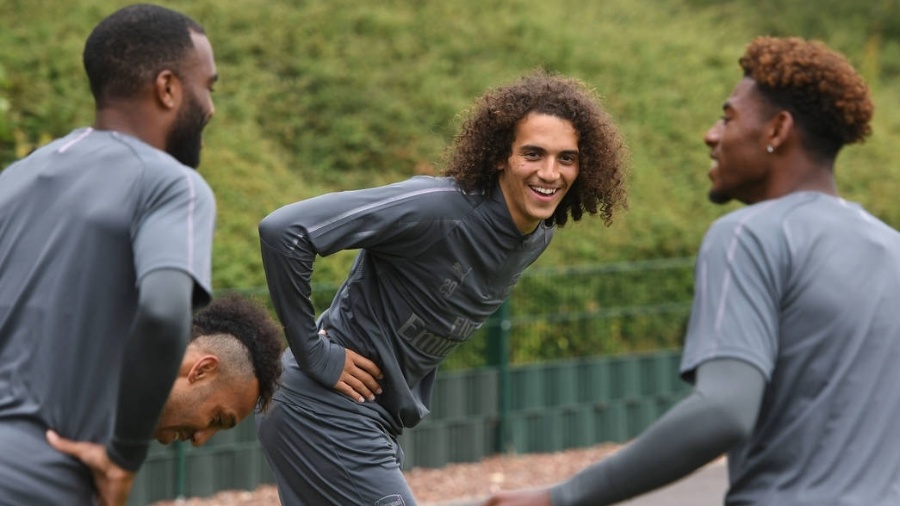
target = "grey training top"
x: 434, y: 264
x: 806, y: 288
x: 81, y: 221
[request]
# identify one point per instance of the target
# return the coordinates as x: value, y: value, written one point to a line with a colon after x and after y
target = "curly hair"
x: 131, y: 46
x: 249, y: 323
x: 487, y: 133
x: 829, y: 101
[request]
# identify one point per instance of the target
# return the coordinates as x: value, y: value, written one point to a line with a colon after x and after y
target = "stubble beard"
x: 185, y: 140
x: 719, y: 198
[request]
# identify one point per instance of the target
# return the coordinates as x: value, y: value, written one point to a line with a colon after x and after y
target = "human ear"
x: 168, y: 89
x: 781, y: 126
x: 204, y: 367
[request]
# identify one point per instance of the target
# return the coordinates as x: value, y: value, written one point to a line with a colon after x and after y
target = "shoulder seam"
x: 396, y: 198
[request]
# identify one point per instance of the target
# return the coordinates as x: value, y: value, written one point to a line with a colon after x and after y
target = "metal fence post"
x: 179, y: 470
x: 498, y: 357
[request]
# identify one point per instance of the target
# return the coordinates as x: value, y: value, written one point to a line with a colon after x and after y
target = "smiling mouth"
x: 544, y: 191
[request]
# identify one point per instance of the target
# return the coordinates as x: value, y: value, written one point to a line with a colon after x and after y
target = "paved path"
x: 706, y: 487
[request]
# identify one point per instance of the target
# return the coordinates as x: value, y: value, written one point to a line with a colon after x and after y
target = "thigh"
x: 321, y: 455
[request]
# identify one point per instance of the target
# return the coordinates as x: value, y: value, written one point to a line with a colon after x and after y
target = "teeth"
x: 544, y: 191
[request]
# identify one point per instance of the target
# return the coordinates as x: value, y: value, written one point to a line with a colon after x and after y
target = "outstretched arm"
x: 720, y: 412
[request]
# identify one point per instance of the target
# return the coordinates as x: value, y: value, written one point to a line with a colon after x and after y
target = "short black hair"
x: 131, y: 46
x: 251, y: 324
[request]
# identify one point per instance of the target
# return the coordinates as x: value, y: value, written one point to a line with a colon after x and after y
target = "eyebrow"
x: 543, y: 149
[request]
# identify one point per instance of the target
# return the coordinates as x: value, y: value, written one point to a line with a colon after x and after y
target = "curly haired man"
x: 438, y: 255
x: 794, y: 340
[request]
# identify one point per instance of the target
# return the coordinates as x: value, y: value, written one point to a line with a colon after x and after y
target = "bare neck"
x: 798, y: 171
x: 132, y: 118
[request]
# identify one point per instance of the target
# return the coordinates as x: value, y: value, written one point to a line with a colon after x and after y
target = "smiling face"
x: 204, y: 402
x: 741, y: 167
x: 540, y: 170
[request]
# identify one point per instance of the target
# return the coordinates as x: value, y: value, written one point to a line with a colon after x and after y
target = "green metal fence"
x: 576, y: 357
x: 572, y: 312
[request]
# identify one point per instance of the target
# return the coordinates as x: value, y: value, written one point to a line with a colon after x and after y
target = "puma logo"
x: 390, y: 500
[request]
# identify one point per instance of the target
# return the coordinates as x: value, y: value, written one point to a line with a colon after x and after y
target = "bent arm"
x: 720, y: 412
x: 389, y: 220
x: 156, y: 342
x: 288, y: 256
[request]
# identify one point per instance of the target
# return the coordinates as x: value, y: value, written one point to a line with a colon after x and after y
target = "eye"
x: 531, y: 155
x: 568, y: 158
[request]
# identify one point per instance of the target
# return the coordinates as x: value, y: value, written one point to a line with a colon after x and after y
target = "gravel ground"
x: 451, y: 483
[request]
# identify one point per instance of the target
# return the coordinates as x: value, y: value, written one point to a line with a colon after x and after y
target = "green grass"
x: 323, y: 95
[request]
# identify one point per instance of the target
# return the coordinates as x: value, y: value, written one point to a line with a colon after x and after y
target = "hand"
x: 112, y: 483
x: 520, y: 498
x: 359, y: 379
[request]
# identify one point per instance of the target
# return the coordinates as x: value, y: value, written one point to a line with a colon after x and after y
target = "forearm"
x: 719, y: 413
x: 656, y: 458
x: 153, y: 354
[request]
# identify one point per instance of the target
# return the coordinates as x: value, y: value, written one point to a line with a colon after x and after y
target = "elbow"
x: 274, y: 227
x: 734, y: 432
x: 173, y: 323
x: 280, y: 235
x: 269, y: 231
x: 167, y: 318
x: 731, y: 428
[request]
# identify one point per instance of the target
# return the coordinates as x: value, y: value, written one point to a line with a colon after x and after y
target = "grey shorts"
x: 325, y: 449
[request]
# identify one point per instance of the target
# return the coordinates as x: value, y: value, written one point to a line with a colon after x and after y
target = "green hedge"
x: 323, y: 95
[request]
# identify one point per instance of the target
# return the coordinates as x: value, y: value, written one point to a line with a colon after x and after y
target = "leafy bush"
x: 325, y: 95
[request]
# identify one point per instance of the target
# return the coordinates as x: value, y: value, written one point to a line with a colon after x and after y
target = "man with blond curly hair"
x: 794, y: 339
x: 438, y: 255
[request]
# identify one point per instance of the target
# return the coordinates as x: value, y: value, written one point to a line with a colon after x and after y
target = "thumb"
x: 61, y: 444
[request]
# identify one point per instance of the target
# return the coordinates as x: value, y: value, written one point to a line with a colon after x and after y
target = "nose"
x: 549, y: 170
x: 713, y: 134
x: 202, y: 436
